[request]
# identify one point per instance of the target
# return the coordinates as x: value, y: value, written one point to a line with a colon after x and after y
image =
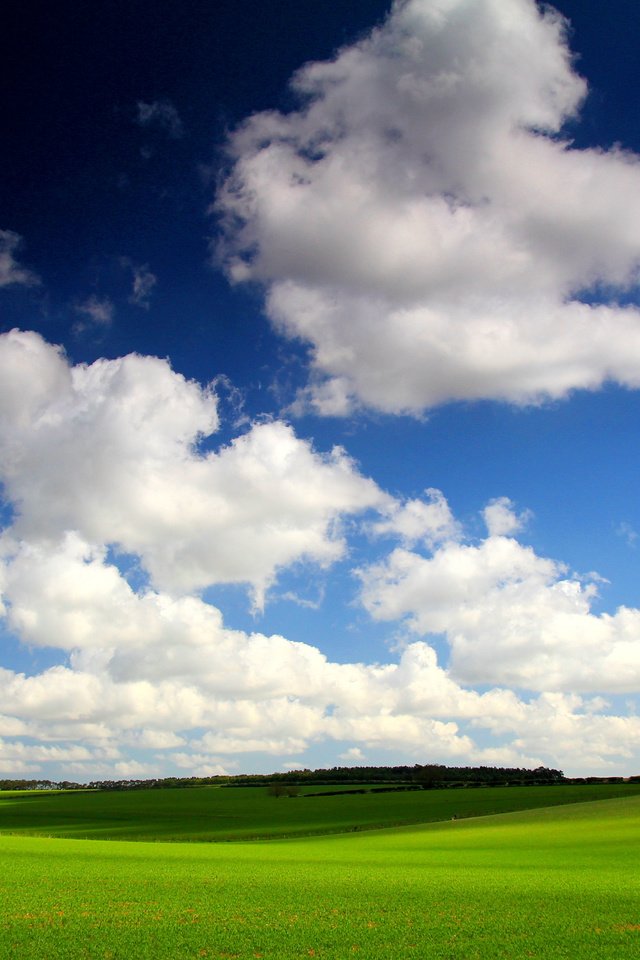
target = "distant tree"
x: 277, y: 789
x: 427, y: 776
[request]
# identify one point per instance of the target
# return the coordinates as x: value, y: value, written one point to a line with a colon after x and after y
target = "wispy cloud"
x: 144, y: 282
x: 97, y: 313
x: 10, y: 270
x: 161, y: 114
x: 628, y: 533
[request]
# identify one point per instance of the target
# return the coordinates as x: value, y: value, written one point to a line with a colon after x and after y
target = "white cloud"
x: 162, y: 114
x: 154, y: 739
x: 429, y: 521
x: 20, y: 758
x: 625, y: 530
x: 501, y: 518
x: 110, y: 451
x: 510, y: 617
x: 97, y: 313
x: 108, y: 458
x: 143, y: 283
x: 421, y: 224
x: 569, y: 726
x: 352, y: 755
x: 199, y: 765
x: 147, y: 670
x: 10, y: 270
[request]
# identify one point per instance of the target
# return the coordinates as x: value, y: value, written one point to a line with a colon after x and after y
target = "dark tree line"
x: 418, y: 776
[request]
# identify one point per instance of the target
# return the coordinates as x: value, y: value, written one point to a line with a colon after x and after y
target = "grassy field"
x: 560, y: 882
x: 211, y: 813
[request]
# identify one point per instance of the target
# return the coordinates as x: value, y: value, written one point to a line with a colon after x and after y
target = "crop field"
x: 552, y: 882
x: 247, y: 813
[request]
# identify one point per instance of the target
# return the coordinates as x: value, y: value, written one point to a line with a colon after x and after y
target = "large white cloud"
x: 150, y: 672
x: 510, y: 617
x: 110, y: 451
x: 420, y: 223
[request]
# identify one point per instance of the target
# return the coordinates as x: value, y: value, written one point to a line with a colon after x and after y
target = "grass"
x: 214, y: 814
x: 559, y: 882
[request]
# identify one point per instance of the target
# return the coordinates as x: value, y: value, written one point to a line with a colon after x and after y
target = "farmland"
x: 554, y: 882
x: 248, y: 813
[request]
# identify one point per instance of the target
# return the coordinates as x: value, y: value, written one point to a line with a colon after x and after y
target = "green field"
x: 554, y: 882
x: 248, y: 813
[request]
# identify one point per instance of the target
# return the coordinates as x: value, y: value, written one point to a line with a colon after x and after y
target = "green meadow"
x: 556, y: 881
x: 249, y: 813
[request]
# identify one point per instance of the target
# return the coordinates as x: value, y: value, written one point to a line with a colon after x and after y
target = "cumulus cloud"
x: 509, y: 616
x: 10, y: 270
x: 200, y: 765
x: 104, y: 463
x: 161, y: 114
x: 145, y: 669
x: 501, y: 518
x: 423, y: 225
x: 110, y: 451
x: 150, y: 671
x: 429, y: 521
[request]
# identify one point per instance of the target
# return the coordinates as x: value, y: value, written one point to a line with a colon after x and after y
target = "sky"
x: 319, y: 386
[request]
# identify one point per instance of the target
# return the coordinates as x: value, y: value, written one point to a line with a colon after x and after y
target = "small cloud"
x: 200, y: 765
x: 429, y: 520
x: 501, y: 518
x: 97, y: 313
x: 163, y: 114
x: 143, y: 283
x: 306, y: 602
x: 10, y: 271
x: 626, y: 531
x: 352, y: 754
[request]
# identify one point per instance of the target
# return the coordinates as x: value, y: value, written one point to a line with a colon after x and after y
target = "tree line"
x: 420, y: 776
x: 417, y: 777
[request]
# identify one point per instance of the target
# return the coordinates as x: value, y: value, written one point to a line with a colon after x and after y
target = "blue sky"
x: 319, y: 370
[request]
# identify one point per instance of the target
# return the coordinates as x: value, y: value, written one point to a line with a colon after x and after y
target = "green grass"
x: 559, y: 882
x: 211, y: 813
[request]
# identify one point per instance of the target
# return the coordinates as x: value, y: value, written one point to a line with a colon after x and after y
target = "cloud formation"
x: 122, y: 515
x: 509, y: 616
x: 161, y: 114
x: 110, y: 451
x: 144, y: 282
x: 96, y: 312
x: 428, y: 521
x: 10, y: 270
x: 425, y: 226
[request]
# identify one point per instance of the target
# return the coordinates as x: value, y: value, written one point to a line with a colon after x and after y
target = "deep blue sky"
x: 100, y: 193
